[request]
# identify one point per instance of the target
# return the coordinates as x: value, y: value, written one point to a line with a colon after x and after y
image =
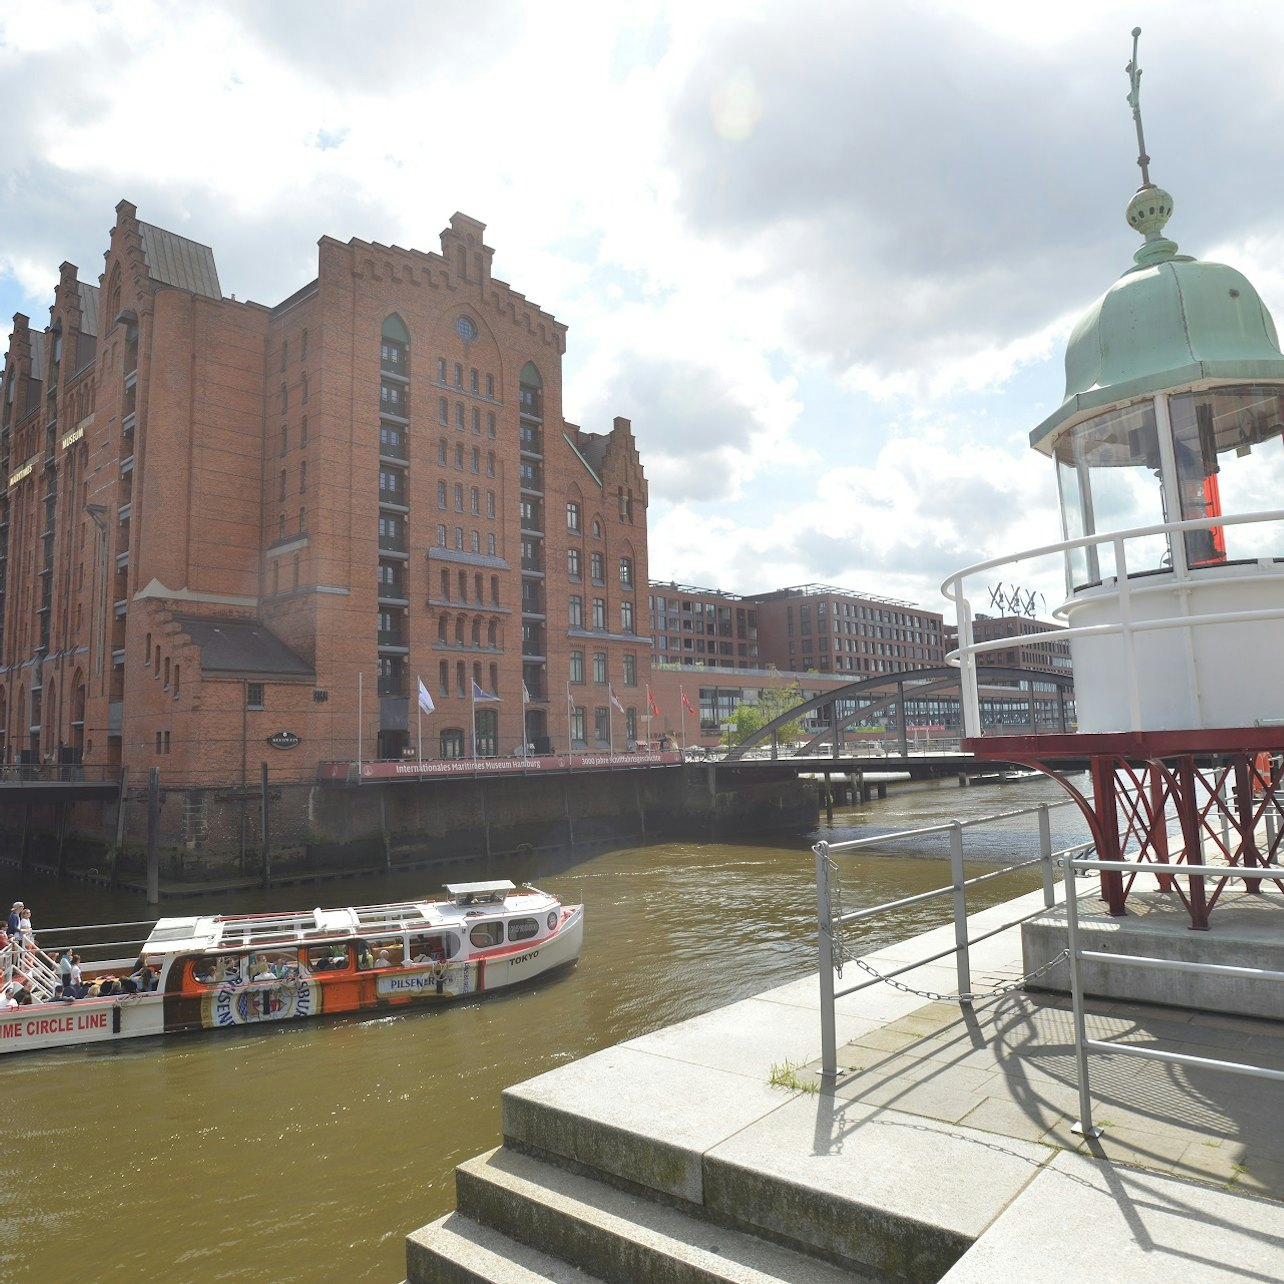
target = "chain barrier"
x: 842, y: 954
x: 973, y: 995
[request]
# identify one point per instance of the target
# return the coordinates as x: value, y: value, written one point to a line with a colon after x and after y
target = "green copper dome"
x: 1170, y: 321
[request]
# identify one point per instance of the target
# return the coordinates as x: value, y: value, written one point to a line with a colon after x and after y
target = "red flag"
x: 651, y: 704
x: 686, y: 704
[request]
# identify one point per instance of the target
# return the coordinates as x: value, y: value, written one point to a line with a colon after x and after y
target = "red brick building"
x: 223, y: 521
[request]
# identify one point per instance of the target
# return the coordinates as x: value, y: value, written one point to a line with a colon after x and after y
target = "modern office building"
x: 702, y: 628
x: 229, y: 526
x: 1045, y: 655
x: 812, y: 627
x: 832, y: 630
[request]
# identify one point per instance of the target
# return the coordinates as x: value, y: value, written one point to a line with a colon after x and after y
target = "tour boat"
x: 237, y: 970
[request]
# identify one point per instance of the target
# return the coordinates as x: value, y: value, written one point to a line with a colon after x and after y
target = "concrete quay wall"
x: 216, y: 831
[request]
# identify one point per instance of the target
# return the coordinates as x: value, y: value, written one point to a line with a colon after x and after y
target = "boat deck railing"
x: 32, y: 966
x: 836, y: 948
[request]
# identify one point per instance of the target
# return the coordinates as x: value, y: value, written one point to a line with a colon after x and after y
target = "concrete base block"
x: 1244, y: 931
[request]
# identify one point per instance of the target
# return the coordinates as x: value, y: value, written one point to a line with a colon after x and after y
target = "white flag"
x: 425, y: 700
x: 526, y: 695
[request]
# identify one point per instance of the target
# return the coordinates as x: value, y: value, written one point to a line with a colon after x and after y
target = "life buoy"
x: 1261, y: 772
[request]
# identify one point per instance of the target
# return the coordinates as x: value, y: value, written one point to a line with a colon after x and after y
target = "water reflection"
x: 288, y: 1153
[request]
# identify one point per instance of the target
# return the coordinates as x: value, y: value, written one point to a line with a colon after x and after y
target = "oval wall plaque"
x: 283, y: 740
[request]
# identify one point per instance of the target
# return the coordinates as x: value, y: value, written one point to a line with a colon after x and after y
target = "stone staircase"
x: 522, y: 1218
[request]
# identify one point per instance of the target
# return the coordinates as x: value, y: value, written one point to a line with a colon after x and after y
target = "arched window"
x: 393, y: 344
x: 459, y: 631
x: 476, y: 632
x: 443, y: 628
x: 492, y: 633
x: 531, y: 391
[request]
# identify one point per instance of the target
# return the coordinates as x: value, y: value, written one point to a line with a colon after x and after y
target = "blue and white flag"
x: 425, y: 700
x: 479, y: 694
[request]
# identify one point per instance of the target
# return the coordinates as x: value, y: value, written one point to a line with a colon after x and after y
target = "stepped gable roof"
x: 88, y: 308
x: 244, y: 649
x: 174, y: 260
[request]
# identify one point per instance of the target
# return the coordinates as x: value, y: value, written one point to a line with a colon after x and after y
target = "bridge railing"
x: 64, y: 772
x: 832, y: 920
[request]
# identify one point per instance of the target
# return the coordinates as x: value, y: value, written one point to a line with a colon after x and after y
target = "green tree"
x: 749, y: 719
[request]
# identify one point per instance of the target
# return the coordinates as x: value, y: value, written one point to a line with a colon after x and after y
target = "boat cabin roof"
x: 479, y: 893
x: 206, y: 932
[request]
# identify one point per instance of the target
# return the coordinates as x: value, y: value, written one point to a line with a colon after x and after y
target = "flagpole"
x: 472, y: 704
x: 360, y: 678
x: 419, y: 715
x: 525, y: 701
x: 682, y: 691
x: 648, y: 719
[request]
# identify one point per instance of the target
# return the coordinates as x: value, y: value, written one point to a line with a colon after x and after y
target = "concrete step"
x: 457, y: 1250
x: 620, y: 1236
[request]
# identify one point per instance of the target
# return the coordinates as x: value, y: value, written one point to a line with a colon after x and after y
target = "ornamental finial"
x: 1134, y: 101
x: 1151, y: 206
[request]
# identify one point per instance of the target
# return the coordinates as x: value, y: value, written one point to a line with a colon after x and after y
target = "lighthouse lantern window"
x: 1229, y: 459
x: 1108, y: 476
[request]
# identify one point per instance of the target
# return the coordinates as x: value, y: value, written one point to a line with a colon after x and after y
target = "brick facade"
x: 223, y: 520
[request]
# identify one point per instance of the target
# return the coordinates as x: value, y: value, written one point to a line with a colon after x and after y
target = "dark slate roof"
x: 174, y: 260
x: 88, y: 308
x: 236, y: 648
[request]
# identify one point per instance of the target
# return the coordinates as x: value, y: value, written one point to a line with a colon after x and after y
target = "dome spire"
x: 1151, y: 206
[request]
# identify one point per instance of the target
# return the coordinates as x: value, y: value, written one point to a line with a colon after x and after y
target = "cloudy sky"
x: 824, y: 255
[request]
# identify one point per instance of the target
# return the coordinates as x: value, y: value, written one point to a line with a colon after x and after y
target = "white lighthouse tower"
x: 1169, y: 457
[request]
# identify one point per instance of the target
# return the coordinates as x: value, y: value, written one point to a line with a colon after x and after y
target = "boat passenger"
x: 23, y: 996
x: 60, y: 995
x: 77, y: 985
x: 364, y: 957
x: 204, y: 970
x: 15, y: 917
x: 382, y: 959
x: 64, y: 967
x: 7, y: 1000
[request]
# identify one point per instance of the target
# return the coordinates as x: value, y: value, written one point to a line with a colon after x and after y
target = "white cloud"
x: 814, y: 252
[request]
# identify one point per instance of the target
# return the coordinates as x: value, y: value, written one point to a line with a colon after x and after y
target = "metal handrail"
x: 827, y: 922
x: 1075, y: 955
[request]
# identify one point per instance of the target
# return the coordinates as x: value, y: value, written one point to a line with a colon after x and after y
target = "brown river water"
x: 308, y: 1151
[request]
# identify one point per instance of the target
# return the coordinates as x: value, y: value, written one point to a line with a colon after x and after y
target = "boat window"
x: 522, y: 929
x: 487, y: 934
x: 220, y: 969
x: 429, y: 949
x: 327, y: 958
